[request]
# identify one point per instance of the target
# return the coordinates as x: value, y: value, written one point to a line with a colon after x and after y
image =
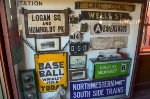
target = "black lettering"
x: 54, y: 73
x: 48, y: 73
x: 41, y: 66
x: 53, y: 87
x: 61, y: 64
x: 48, y: 66
x: 48, y: 88
x: 42, y: 73
x: 57, y: 17
x: 42, y: 88
x: 55, y: 65
x: 60, y: 72
x: 61, y: 29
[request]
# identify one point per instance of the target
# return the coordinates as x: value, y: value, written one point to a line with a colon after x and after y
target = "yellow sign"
x: 51, y: 71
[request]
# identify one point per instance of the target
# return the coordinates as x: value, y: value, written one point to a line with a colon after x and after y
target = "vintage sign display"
x: 49, y: 44
x: 109, y: 28
x: 77, y: 61
x: 99, y: 15
x: 77, y: 74
x: 78, y: 47
x: 51, y: 71
x: 110, y: 69
x: 46, y: 23
x: 97, y: 88
x: 102, y: 43
x: 105, y: 6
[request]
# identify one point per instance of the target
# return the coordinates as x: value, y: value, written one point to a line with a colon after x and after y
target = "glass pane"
x: 75, y: 49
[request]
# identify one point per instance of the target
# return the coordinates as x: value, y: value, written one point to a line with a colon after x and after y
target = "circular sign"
x: 97, y: 28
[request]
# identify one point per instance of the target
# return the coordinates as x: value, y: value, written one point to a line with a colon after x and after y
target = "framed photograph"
x: 78, y: 74
x: 46, y: 23
x: 48, y: 44
x: 77, y: 61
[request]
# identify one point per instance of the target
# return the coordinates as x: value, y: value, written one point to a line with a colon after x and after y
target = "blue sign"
x: 97, y: 88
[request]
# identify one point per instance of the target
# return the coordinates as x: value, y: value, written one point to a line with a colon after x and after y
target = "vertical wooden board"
x: 51, y: 71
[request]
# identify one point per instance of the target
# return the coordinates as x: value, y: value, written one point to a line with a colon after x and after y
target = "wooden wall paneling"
x: 10, y: 69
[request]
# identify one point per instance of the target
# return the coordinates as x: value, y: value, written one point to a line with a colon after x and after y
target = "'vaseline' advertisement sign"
x: 51, y: 71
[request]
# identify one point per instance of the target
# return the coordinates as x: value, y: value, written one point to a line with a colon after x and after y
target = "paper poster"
x: 51, y: 71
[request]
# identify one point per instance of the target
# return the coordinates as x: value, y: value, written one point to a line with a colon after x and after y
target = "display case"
x: 73, y: 49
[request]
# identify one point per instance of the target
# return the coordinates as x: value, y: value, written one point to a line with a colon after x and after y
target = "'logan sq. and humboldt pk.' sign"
x: 105, y: 6
x: 51, y: 71
x: 110, y: 69
x: 46, y: 23
x: 96, y: 89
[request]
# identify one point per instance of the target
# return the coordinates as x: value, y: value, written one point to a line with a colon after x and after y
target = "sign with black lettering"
x: 109, y: 28
x: 98, y: 88
x: 99, y: 15
x: 51, y: 71
x: 102, y: 43
x: 46, y: 23
x: 105, y: 6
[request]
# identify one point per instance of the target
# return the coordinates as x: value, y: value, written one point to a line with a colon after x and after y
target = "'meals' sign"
x: 97, y: 89
x: 99, y: 15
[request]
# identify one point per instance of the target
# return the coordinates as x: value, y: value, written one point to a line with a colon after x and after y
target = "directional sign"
x: 109, y: 28
x: 99, y: 15
x: 111, y: 69
x: 98, y: 88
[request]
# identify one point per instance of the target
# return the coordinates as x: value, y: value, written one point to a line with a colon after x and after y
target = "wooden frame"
x: 4, y: 13
x: 45, y: 32
x: 74, y: 74
x: 76, y: 60
x: 48, y: 44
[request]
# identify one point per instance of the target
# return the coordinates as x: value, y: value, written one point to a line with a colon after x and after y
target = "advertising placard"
x: 51, y: 71
x: 97, y: 88
x: 100, y: 15
x: 109, y: 28
x: 105, y: 6
x: 111, y: 69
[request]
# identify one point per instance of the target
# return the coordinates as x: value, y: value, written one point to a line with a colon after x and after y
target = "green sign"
x: 111, y: 69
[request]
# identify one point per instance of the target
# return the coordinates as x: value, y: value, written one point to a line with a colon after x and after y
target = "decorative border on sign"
x: 46, y: 35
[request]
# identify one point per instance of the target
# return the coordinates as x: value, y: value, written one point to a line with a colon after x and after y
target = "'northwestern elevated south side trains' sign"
x: 102, y: 43
x: 51, y: 71
x: 110, y: 69
x: 109, y: 28
x: 99, y: 15
x: 105, y: 6
x: 46, y: 23
x: 97, y: 88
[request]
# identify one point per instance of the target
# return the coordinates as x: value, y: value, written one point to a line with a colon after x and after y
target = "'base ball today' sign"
x: 97, y: 89
x: 51, y: 71
x: 109, y: 28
